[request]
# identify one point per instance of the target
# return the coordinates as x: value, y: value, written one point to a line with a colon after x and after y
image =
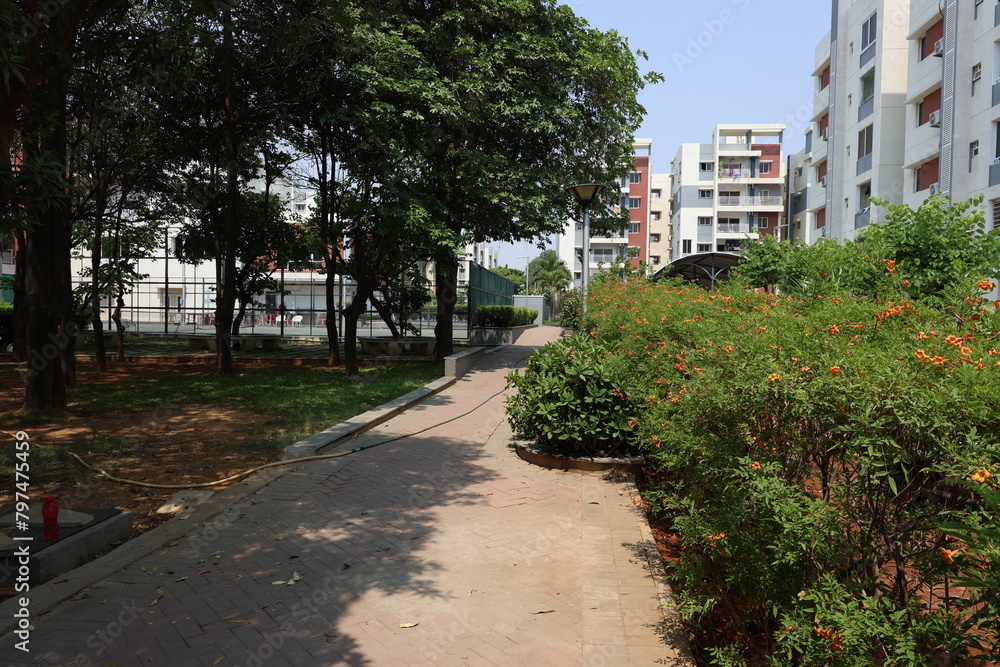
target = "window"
x: 655, y: 194
x: 865, y: 141
x: 300, y: 207
x: 704, y: 247
x: 633, y: 228
x: 977, y: 74
x: 633, y: 202
x: 655, y: 259
x: 703, y: 220
x: 655, y: 215
x: 763, y: 221
x: 635, y: 177
x: 654, y: 238
x: 868, y: 86
x: 603, y: 254
x: 868, y: 31
x: 765, y: 167
x: 996, y: 213
x: 704, y: 194
x: 973, y: 152
x: 707, y: 166
x: 579, y: 226
x: 686, y: 246
x: 930, y: 39
x: 975, y: 10
x: 623, y: 183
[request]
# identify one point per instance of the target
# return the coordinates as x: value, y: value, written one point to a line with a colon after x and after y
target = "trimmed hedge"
x: 504, y: 316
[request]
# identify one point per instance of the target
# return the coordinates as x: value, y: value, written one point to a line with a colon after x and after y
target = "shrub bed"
x: 504, y: 316
x: 810, y: 454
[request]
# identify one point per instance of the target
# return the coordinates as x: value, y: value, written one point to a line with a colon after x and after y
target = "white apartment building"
x: 729, y: 190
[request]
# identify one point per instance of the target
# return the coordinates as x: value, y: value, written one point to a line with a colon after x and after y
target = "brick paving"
x: 442, y: 548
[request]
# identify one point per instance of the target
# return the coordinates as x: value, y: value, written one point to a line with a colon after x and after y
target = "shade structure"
x: 705, y: 269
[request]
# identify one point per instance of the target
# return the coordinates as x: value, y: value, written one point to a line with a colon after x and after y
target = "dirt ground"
x: 185, y: 444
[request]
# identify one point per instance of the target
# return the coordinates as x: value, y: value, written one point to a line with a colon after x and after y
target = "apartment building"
x: 637, y: 195
x: 661, y: 233
x: 728, y: 190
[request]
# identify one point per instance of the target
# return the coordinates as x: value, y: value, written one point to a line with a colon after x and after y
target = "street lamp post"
x: 526, y: 266
x: 585, y: 194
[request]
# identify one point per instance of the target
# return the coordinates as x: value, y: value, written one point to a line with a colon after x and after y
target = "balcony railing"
x: 7, y: 257
x: 749, y: 200
x: 995, y: 171
x: 862, y: 217
x: 867, y: 55
x: 867, y: 108
x: 735, y: 173
x: 864, y: 164
x: 733, y: 228
x: 996, y: 86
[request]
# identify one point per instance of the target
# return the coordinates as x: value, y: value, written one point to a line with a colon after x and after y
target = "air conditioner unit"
x: 824, y: 133
x: 935, y: 118
x: 934, y: 189
x: 822, y: 181
x: 939, y: 48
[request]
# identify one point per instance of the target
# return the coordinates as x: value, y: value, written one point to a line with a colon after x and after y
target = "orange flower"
x: 948, y: 555
x: 985, y: 285
x: 921, y: 355
x: 834, y: 371
x: 729, y: 348
x: 755, y: 465
x: 980, y: 476
x: 889, y: 264
x: 834, y: 330
x: 772, y: 378
x: 806, y: 369
x: 906, y: 283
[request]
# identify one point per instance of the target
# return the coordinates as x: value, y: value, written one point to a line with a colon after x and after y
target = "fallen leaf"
x: 218, y: 660
x: 544, y: 611
x: 408, y: 625
x: 144, y: 568
x: 232, y: 616
x: 384, y: 547
x: 182, y: 579
x: 164, y: 552
x: 348, y: 563
x: 160, y: 591
x: 280, y: 537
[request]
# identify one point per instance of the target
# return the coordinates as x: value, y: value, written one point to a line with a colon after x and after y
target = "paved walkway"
x: 443, y: 548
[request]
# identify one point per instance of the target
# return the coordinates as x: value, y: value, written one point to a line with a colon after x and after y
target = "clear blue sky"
x: 724, y: 61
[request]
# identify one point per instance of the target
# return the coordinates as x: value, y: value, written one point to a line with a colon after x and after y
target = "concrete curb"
x: 630, y: 466
x: 46, y: 596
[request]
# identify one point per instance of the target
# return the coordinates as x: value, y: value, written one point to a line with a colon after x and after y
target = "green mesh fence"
x: 487, y: 289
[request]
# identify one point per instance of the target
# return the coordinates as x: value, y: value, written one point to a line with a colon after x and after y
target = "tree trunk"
x: 95, y: 289
x: 332, y: 311
x: 227, y: 295
x: 49, y: 327
x: 20, y: 302
x: 386, y: 316
x: 116, y: 316
x: 352, y: 313
x: 445, y: 289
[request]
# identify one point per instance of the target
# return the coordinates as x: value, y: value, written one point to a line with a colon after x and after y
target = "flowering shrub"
x: 802, y: 447
x: 569, y: 397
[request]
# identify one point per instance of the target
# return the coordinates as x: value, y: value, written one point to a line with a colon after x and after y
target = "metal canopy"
x: 705, y: 269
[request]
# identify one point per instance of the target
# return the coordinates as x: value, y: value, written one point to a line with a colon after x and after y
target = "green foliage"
x: 504, y: 316
x: 570, y: 397
x: 797, y: 440
x: 550, y: 274
x: 6, y: 325
x: 936, y: 251
x: 572, y: 309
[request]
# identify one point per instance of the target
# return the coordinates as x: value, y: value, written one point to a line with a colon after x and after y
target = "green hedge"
x: 6, y: 324
x: 504, y: 316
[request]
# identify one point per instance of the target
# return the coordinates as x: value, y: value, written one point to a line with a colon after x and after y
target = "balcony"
x: 866, y: 109
x: 750, y: 200
x: 733, y: 228
x: 864, y: 164
x: 863, y: 217
x: 735, y: 173
x: 995, y: 172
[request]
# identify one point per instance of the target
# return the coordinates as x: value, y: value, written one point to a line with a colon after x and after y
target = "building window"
x: 930, y: 39
x: 633, y: 202
x: 579, y: 226
x: 868, y: 86
x: 633, y: 228
x: 704, y: 247
x: 655, y: 194
x: 707, y: 166
x: 300, y: 207
x: 654, y: 238
x: 765, y: 167
x: 868, y: 31
x: 655, y: 259
x: 704, y: 194
x: 977, y: 74
x: 635, y: 177
x: 996, y: 213
x: 623, y: 182
x: 973, y: 153
x: 704, y: 220
x: 655, y: 215
x: 865, y: 141
x: 763, y: 221
x: 603, y: 254
x: 686, y: 246
x: 975, y: 9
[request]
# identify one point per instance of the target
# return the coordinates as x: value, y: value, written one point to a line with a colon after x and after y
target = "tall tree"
x: 549, y: 273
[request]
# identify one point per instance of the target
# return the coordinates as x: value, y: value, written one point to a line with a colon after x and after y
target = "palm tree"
x: 549, y: 273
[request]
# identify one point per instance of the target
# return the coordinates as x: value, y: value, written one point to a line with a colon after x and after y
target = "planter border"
x: 628, y: 465
x: 497, y: 335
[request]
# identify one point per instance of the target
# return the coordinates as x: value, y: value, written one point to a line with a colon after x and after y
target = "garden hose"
x: 320, y: 457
